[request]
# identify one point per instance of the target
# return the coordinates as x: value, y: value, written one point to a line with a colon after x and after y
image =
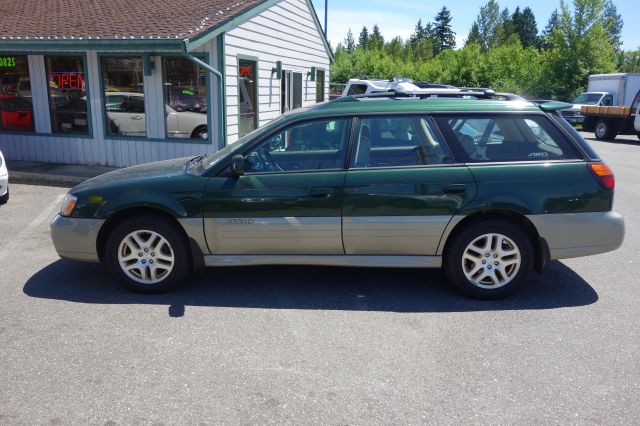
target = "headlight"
x: 68, y: 204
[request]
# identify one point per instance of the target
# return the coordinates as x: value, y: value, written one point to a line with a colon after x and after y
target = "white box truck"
x: 609, y: 106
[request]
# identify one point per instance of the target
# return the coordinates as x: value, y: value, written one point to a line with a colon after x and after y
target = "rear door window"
x: 503, y: 138
x: 397, y: 141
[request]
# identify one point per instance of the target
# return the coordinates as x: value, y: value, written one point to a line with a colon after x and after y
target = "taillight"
x: 603, y: 174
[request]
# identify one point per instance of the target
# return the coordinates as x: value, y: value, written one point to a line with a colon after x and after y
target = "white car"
x: 126, y: 114
x: 4, y: 181
x: 357, y: 86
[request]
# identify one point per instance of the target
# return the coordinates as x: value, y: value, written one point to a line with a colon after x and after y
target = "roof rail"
x: 458, y: 93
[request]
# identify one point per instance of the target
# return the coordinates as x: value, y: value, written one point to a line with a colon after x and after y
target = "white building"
x: 112, y: 84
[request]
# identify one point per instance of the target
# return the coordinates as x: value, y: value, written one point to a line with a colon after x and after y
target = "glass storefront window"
x: 67, y: 94
x: 247, y: 91
x: 185, y: 95
x: 123, y: 86
x: 319, y: 86
x: 16, y: 107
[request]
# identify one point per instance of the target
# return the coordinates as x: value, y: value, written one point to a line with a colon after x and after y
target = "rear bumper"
x: 75, y: 239
x: 580, y: 234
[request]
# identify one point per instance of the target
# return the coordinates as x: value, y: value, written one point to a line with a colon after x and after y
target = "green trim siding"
x: 222, y: 131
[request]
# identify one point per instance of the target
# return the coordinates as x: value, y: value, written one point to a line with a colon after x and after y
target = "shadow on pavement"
x: 322, y: 288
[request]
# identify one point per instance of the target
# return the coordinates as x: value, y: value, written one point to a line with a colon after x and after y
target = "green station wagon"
x: 488, y: 189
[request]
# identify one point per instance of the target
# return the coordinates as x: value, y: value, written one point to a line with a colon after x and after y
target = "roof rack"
x: 457, y: 93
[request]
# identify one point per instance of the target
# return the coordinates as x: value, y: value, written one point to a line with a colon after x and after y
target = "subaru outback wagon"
x: 489, y: 190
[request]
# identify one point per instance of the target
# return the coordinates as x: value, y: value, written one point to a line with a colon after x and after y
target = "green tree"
x: 363, y: 40
x: 613, y: 23
x: 349, y: 42
x: 474, y: 35
x: 552, y: 24
x: 631, y: 61
x: 418, y: 33
x: 376, y: 40
x: 489, y: 23
x: 526, y: 27
x: 395, y: 47
x: 580, y: 47
x: 444, y: 36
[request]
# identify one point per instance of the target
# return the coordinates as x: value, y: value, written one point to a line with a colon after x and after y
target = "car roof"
x: 403, y: 105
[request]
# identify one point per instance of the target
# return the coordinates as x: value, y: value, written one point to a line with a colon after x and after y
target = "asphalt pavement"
x: 309, y: 345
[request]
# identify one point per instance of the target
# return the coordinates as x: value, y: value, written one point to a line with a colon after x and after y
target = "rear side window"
x: 397, y: 141
x: 503, y: 138
x: 357, y: 89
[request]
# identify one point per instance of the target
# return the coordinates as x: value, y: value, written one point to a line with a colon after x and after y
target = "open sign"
x: 66, y: 80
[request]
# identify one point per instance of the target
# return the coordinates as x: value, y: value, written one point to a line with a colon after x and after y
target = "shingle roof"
x: 115, y: 19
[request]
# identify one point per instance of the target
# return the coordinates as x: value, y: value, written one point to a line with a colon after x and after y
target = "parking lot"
x: 310, y: 345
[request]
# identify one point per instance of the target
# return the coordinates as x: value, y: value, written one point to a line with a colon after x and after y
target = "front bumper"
x: 580, y: 234
x: 75, y: 239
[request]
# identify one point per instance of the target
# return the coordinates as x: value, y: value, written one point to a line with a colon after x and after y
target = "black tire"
x: 5, y: 198
x: 178, y: 247
x: 198, y: 132
x: 605, y: 130
x: 453, y: 259
x: 588, y: 126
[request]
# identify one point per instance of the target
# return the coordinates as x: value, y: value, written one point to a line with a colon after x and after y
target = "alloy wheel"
x: 491, y: 261
x: 146, y: 257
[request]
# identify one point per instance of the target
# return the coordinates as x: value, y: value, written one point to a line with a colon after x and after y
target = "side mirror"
x: 237, y: 165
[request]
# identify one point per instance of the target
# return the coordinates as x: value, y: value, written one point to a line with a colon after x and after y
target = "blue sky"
x: 395, y: 17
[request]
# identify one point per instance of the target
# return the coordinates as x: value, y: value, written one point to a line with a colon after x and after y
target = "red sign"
x: 245, y: 71
x: 66, y: 80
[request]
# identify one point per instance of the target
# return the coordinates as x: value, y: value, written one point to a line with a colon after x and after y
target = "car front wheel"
x: 148, y: 254
x: 489, y: 259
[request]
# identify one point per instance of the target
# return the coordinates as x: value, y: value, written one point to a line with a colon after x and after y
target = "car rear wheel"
x: 148, y: 254
x: 605, y: 130
x: 489, y: 259
x: 4, y: 199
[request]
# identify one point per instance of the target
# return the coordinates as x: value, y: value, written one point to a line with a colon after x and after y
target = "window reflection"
x: 16, y: 108
x: 123, y: 85
x: 67, y: 94
x: 185, y: 94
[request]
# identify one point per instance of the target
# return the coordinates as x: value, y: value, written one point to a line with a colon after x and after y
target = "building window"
x: 123, y: 86
x: 247, y: 96
x: 16, y: 108
x: 320, y: 86
x: 67, y: 94
x: 185, y: 96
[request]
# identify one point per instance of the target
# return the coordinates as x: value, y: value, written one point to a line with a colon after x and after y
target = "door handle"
x: 321, y: 193
x: 136, y: 117
x: 456, y: 188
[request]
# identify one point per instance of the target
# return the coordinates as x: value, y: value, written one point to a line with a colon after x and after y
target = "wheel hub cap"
x: 491, y: 261
x: 146, y: 257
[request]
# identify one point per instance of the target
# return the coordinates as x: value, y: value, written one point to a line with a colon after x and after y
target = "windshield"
x: 588, y: 99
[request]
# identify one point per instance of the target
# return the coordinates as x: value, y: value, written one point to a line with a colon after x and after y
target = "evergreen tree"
x: 553, y: 24
x: 506, y: 28
x: 528, y: 28
x: 349, y: 42
x: 613, y: 23
x: 363, y: 40
x: 376, y: 40
x: 444, y: 36
x: 418, y: 33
